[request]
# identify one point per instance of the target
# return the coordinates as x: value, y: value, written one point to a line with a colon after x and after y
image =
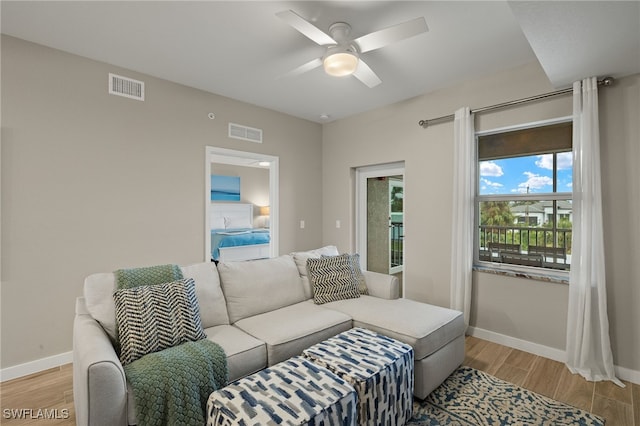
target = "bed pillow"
x: 217, y: 223
x: 332, y: 278
x: 151, y: 318
x: 237, y: 223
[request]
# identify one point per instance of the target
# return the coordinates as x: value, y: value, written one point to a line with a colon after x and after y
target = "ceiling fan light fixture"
x: 340, y: 61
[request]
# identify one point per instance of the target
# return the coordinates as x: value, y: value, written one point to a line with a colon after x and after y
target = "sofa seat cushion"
x: 288, y: 331
x: 245, y: 353
x: 425, y: 327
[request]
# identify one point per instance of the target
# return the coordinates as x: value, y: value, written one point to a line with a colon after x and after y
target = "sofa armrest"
x: 382, y: 285
x: 99, y: 384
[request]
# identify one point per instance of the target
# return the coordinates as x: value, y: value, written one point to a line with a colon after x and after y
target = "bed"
x: 233, y: 236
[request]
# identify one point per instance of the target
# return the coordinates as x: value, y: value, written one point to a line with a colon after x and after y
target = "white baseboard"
x: 628, y: 374
x: 542, y: 350
x: 523, y: 345
x: 36, y: 366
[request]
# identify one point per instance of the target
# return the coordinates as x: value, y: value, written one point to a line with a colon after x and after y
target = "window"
x: 524, y: 197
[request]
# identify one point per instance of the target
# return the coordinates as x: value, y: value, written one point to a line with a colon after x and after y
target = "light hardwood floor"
x: 50, y: 392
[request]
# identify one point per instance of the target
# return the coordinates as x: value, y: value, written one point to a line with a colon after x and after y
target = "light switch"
x: 337, y: 223
x: 302, y: 224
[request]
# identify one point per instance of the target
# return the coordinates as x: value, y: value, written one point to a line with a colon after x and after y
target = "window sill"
x: 559, y: 277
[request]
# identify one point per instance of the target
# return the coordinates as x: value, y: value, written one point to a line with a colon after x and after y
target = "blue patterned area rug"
x: 473, y: 398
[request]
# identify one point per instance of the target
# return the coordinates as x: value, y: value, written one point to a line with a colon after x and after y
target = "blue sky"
x: 514, y: 175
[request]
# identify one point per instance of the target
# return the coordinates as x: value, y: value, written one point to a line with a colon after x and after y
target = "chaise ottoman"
x: 436, y: 334
x: 379, y: 368
x: 292, y: 392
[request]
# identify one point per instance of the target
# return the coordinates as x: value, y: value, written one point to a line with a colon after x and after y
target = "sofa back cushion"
x: 258, y: 286
x: 213, y: 308
x: 99, y: 289
x: 300, y: 257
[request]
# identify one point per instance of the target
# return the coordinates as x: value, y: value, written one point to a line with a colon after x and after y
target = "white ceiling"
x: 241, y: 50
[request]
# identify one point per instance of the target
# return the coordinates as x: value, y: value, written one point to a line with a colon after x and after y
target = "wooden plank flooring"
x: 619, y: 406
x: 46, y: 398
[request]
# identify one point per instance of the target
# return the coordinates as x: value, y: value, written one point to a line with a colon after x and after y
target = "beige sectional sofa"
x: 260, y: 312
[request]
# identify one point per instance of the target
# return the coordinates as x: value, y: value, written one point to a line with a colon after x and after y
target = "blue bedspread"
x: 237, y: 237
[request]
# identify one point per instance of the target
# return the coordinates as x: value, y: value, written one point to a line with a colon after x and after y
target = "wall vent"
x: 127, y: 87
x: 238, y: 131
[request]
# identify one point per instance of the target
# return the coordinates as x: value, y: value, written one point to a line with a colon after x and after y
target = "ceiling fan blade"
x: 315, y: 63
x: 366, y: 75
x: 306, y: 28
x: 382, y: 38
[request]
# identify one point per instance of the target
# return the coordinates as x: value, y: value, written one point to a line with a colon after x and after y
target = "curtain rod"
x: 607, y: 81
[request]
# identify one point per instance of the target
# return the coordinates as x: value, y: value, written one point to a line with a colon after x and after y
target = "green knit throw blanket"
x: 171, y: 387
x: 160, y: 274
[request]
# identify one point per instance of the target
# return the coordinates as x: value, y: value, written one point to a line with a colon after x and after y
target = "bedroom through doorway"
x: 241, y: 205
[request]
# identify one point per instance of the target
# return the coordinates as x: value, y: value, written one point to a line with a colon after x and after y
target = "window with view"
x: 523, y: 199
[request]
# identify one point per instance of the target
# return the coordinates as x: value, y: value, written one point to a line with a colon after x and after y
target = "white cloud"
x: 534, y: 182
x: 489, y: 168
x: 565, y: 161
x: 545, y: 161
x: 491, y: 184
x: 490, y: 187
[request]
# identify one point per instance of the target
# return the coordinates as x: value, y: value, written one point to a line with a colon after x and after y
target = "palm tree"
x: 495, y: 213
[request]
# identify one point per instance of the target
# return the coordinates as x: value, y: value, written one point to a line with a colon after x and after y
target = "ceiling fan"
x: 343, y: 54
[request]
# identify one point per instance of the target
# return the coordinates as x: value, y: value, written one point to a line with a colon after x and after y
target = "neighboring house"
x: 541, y: 212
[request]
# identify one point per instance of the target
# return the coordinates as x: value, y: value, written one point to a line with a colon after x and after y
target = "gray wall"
x: 93, y: 182
x: 534, y: 311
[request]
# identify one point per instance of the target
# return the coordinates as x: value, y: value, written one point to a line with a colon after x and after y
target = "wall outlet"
x: 302, y: 224
x: 337, y: 223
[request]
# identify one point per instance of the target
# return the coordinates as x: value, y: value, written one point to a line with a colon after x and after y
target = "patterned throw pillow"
x: 355, y: 265
x: 155, y: 317
x: 332, y: 278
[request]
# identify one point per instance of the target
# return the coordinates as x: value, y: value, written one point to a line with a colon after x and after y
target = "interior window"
x: 524, y: 198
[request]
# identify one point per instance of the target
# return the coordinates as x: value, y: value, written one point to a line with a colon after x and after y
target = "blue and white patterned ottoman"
x: 293, y: 392
x: 379, y: 368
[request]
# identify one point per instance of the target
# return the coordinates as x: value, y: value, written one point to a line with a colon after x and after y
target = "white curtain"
x: 588, y: 346
x: 462, y: 224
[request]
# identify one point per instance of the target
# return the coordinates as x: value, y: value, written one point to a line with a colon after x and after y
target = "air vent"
x: 127, y: 87
x: 238, y: 131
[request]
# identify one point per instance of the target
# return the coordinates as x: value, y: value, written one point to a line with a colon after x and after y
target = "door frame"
x: 242, y: 158
x: 362, y: 174
x: 396, y: 269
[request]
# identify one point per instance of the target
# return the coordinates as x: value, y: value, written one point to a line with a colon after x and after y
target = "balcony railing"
x: 526, y: 246
x: 397, y: 243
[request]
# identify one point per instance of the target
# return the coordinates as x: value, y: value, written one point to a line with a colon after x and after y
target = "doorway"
x: 220, y: 161
x: 380, y: 218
